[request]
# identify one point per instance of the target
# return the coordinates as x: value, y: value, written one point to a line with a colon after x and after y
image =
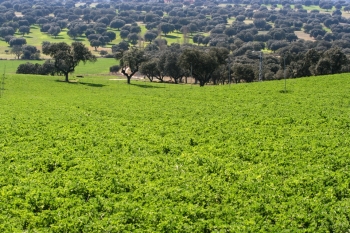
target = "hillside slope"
x: 104, y: 156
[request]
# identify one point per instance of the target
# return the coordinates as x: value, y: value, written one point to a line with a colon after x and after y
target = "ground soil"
x: 303, y: 35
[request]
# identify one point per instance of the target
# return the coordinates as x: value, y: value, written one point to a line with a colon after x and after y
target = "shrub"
x: 27, y: 68
x: 47, y: 68
x: 114, y: 69
x: 103, y: 52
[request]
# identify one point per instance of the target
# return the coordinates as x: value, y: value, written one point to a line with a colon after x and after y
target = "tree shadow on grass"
x: 171, y: 37
x: 82, y: 83
x: 285, y: 91
x: 92, y: 84
x: 79, y: 39
x: 144, y: 85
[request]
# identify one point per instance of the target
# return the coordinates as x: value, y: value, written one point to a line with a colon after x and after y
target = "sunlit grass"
x: 36, y: 37
x: 101, y: 66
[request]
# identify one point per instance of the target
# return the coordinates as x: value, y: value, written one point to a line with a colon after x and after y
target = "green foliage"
x: 48, y: 68
x: 24, y: 30
x: 68, y: 57
x: 167, y: 28
x: 203, y: 63
x: 103, y: 156
x: 131, y: 61
x: 114, y: 69
x: 244, y: 71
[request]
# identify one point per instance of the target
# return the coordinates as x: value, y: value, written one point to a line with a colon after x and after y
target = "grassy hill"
x: 103, y: 156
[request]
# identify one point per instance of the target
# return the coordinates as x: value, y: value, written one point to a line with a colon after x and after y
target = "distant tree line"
x: 204, y: 22
x: 256, y: 25
x: 217, y: 65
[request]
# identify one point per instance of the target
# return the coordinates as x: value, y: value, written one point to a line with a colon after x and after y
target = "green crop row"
x: 103, y: 156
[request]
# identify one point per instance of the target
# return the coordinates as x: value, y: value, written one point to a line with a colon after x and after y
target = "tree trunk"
x: 66, y: 77
x: 160, y: 78
x: 128, y: 76
x: 150, y: 78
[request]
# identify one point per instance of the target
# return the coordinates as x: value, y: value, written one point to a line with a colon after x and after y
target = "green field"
x: 101, y: 66
x: 103, y: 156
x: 35, y: 37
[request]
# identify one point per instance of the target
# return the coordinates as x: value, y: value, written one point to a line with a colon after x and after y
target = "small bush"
x: 103, y: 52
x: 47, y: 68
x: 114, y: 69
x: 109, y: 56
x: 27, y: 68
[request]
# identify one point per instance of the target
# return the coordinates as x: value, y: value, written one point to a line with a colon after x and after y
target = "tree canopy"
x: 131, y: 61
x: 67, y: 57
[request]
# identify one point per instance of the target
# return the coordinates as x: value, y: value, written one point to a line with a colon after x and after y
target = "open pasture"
x: 104, y: 156
x: 36, y: 37
x: 303, y: 35
x: 101, y: 66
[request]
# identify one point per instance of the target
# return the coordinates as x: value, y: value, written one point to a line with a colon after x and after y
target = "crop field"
x: 104, y: 156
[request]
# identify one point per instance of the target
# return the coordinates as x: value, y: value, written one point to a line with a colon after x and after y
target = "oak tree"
x: 67, y: 57
x: 130, y: 62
